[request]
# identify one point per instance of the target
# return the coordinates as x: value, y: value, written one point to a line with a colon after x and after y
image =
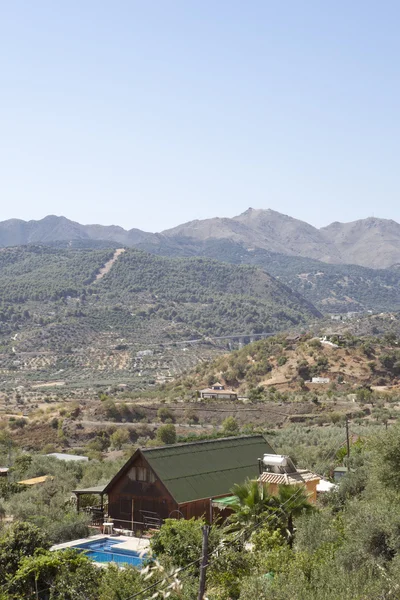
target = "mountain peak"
x: 370, y: 242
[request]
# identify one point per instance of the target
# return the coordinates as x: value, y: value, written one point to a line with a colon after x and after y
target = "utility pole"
x: 204, y: 563
x: 9, y: 453
x: 9, y: 474
x: 348, y: 442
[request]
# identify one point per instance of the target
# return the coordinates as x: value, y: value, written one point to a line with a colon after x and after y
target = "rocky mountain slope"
x: 16, y: 232
x: 370, y: 242
x: 266, y: 229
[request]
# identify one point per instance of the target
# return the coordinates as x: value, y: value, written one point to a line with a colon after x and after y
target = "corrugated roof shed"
x: 209, y: 468
x: 36, y: 480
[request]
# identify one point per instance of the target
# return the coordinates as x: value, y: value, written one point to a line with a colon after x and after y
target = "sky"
x: 151, y: 114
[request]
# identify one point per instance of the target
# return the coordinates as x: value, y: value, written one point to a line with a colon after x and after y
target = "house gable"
x: 137, y: 477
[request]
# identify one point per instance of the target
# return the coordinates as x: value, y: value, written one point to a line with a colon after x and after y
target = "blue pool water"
x: 103, y: 551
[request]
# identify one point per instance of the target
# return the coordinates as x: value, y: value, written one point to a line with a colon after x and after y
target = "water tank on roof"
x: 275, y: 460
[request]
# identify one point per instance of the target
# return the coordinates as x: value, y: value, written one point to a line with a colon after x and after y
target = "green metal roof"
x: 209, y: 468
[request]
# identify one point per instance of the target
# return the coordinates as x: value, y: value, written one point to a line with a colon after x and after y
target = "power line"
x: 330, y: 453
x: 220, y: 547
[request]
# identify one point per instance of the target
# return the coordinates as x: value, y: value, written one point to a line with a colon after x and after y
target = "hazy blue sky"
x: 148, y: 114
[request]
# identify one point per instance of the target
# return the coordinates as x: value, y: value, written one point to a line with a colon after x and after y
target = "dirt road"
x: 104, y: 270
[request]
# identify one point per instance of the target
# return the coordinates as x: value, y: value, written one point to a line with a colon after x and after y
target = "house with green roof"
x: 181, y: 480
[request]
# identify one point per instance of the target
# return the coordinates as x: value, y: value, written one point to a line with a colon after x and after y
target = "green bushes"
x: 181, y: 541
x: 119, y: 438
x: 166, y: 434
x: 165, y: 415
x: 119, y: 412
x: 18, y: 423
x: 230, y: 426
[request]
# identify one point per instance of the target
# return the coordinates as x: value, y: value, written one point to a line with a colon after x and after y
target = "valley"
x: 106, y: 317
x: 283, y: 382
x: 106, y: 349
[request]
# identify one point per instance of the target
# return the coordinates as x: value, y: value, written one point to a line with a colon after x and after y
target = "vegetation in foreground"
x: 271, y: 548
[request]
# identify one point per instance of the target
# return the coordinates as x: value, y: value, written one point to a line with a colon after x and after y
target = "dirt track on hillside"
x: 104, y: 270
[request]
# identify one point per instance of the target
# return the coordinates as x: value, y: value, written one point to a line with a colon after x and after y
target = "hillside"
x: 266, y: 239
x: 332, y: 288
x: 289, y: 363
x: 373, y: 243
x: 59, y: 321
x: 43, y: 273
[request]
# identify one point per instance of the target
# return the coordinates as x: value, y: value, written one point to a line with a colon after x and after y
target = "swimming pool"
x: 106, y: 550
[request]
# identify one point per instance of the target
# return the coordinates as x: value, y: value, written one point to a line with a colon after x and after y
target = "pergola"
x: 97, y: 491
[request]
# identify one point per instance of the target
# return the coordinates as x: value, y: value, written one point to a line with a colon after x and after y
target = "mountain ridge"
x: 370, y: 242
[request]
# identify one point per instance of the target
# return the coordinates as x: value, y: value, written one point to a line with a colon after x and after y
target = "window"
x: 141, y: 473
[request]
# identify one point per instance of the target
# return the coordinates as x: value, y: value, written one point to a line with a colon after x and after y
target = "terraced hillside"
x: 334, y: 362
x: 60, y: 322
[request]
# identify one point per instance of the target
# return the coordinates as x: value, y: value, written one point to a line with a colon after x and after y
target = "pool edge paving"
x: 103, y: 549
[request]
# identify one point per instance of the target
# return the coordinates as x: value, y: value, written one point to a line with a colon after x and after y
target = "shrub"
x: 119, y: 438
x: 230, y: 426
x: 181, y: 541
x: 166, y: 434
x: 164, y: 414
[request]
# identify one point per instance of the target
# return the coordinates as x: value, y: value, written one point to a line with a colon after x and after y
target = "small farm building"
x: 303, y: 478
x: 276, y: 471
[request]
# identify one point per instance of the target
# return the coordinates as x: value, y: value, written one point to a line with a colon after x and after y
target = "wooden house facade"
x: 181, y: 480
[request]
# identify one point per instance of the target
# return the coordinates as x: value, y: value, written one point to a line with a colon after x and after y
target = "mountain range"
x: 371, y: 242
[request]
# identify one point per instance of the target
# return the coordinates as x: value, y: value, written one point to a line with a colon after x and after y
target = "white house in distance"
x: 320, y: 380
x: 218, y: 391
x: 68, y: 457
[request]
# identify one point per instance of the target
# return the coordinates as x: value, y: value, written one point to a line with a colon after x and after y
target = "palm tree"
x: 255, y: 505
x: 291, y: 502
